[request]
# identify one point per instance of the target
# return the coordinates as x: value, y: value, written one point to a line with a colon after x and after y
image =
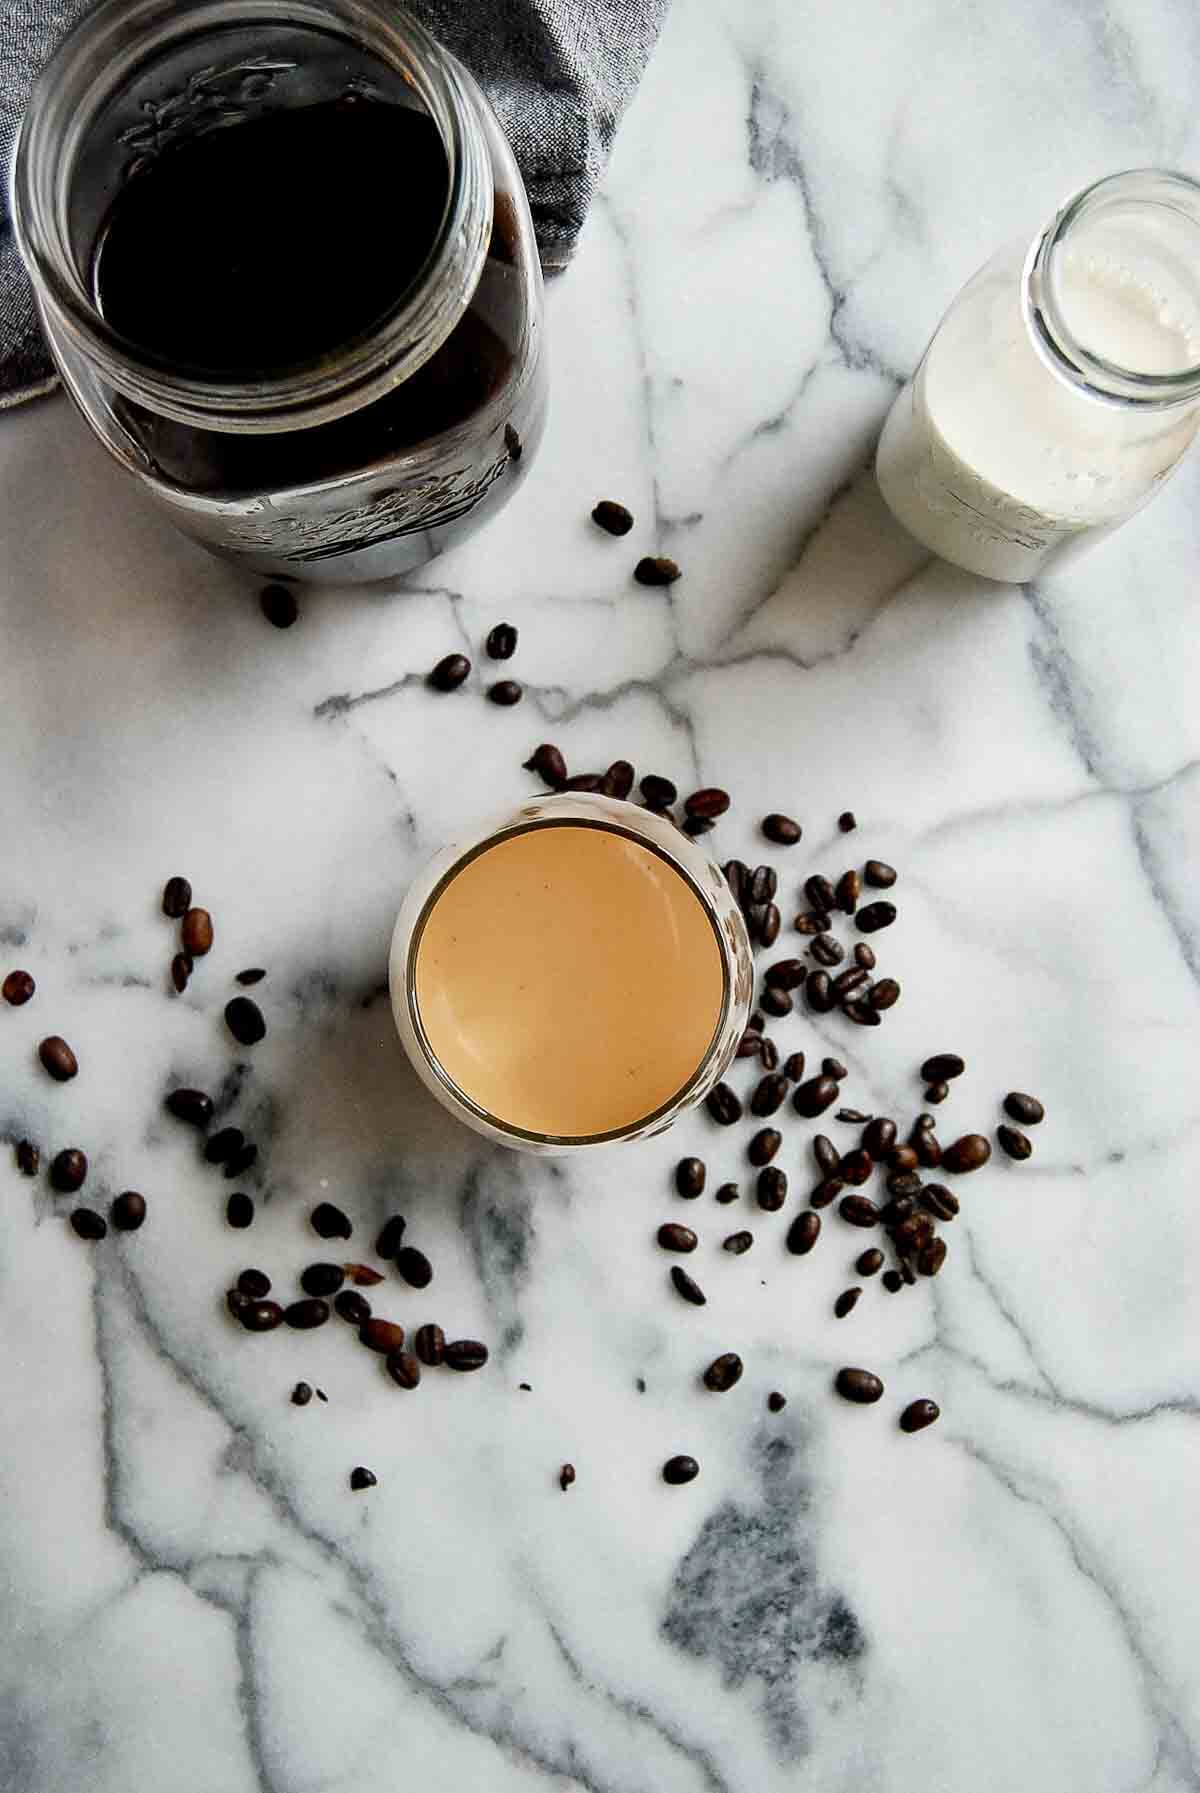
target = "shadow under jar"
x: 284, y: 260
x: 576, y: 976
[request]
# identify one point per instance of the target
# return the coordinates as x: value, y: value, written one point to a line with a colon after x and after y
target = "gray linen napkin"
x: 558, y: 72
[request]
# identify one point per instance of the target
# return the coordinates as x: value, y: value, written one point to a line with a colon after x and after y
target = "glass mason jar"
x: 1062, y: 387
x: 705, y: 882
x: 359, y: 463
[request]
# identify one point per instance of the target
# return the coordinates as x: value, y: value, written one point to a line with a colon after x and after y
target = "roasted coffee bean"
x: 847, y: 821
x: 818, y: 993
x: 302, y: 1394
x: 254, y: 1283
x: 501, y: 643
x: 762, y: 885
x: 846, y: 1301
x: 88, y: 1225
x: 363, y: 1275
x: 793, y: 1067
x: 196, y: 933
x: 728, y: 1192
x: 224, y: 1144
x: 614, y: 519
x: 465, y: 1354
x: 68, y: 1170
x: 938, y: 1201
x: 943, y: 1067
x: 618, y: 780
x: 278, y: 605
x: 785, y: 974
x: 678, y: 1470
x: 361, y: 1478
x: 261, y: 1316
x: 737, y: 1243
x: 768, y: 1055
x: 826, y: 950
x: 927, y: 1146
x: 329, y: 1222
x: 239, y: 1210
x: 1018, y: 1145
x: 245, y: 1021
x: 659, y: 793
x: 769, y: 1095
x: 176, y: 898
x: 833, y: 1067
x: 58, y: 1059
x: 656, y: 569
x: 190, y: 1105
x: 858, y: 1210
x: 414, y: 1267
x: 182, y: 967
x: 803, y: 1233
x: 812, y: 921
x: 913, y: 1234
x: 879, y: 875
x: 898, y: 1208
x: 932, y: 1257
x: 848, y: 892
x: 723, y: 1372
x: 864, y: 956
x: 903, y: 1182
x: 781, y: 830
x: 763, y: 1146
x: 253, y: 975
x: 723, y: 1105
x: 772, y: 1188
x: 322, y: 1279
x: 776, y: 1402
x: 776, y: 1002
x: 685, y: 1286
x: 566, y: 1476
x: 549, y: 765
x: 28, y: 1158
x: 879, y: 1137
x: 585, y: 781
x: 242, y: 1161
x: 17, y: 988
x: 750, y: 1044
x: 673, y: 1237
x: 853, y: 1116
x: 391, y: 1236
x: 903, y: 1158
x: 1026, y: 1109
x: 430, y: 1345
x: 874, y: 916
x: 826, y: 1192
x: 769, y: 925
x: 856, y: 1168
x: 936, y: 1092
x: 860, y: 1012
x: 690, y: 1177
x: 884, y: 995
x: 814, y: 1096
x: 907, y: 1273
x: 403, y: 1369
x: 384, y: 1336
x: 892, y: 1281
x: 919, y: 1414
x: 352, y: 1306
x: 128, y: 1211
x: 858, y: 1385
x: 869, y: 1262
x: 450, y: 673
x: 236, y: 1302
x: 826, y: 1154
x: 820, y: 894
x: 505, y: 693
x: 970, y: 1152
x: 737, y: 875
x: 710, y: 802
x: 847, y: 982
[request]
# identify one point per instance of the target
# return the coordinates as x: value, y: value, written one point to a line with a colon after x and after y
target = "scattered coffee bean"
x: 874, y: 916
x: 858, y: 1210
x: 927, y: 1146
x: 322, y: 1279
x: 656, y: 569
x: 403, y: 1368
x: 302, y: 1394
x: 236, y: 1302
x: 769, y: 1055
x: 939, y: 1201
x: 781, y: 830
x: 254, y: 1283
x: 826, y: 1154
x: 176, y: 898
x: 812, y: 921
x: 847, y: 821
x: 785, y: 974
x: 943, y: 1067
x: 88, y: 1225
x: 919, y: 1414
x: 566, y: 1475
x: 767, y: 924
x: 737, y: 875
x: 814, y: 1096
x: 68, y: 1170
x: 723, y: 1105
x: 684, y: 1285
x: 856, y: 1168
x: 196, y: 933
x: 907, y: 1273
x: 865, y: 956
x: 239, y: 1210
x: 818, y: 993
x: 384, y: 1336
x: 17, y: 988
x: 879, y: 1137
x: 803, y: 1233
x: 833, y: 1067
x: 242, y: 1161
x: 903, y: 1158
x: 728, y: 1192
x: 673, y: 1237
x: 776, y: 1002
x: 414, y: 1267
x: 128, y: 1211
x: 936, y: 1092
x: 723, y: 1372
x: 769, y: 1095
x: 261, y: 1316
x: 353, y: 1307
x: 848, y: 892
x: 860, y: 1012
x: 614, y: 519
x: 897, y: 1209
x: 1026, y: 1109
x: 892, y: 1281
x: 320, y: 1394
x: 465, y: 1354
x: 737, y: 1243
x: 1018, y: 1145
x: 501, y: 643
x: 182, y: 966
x: 924, y: 1123
x: 690, y: 1177
x: 245, y: 1021
x: 750, y: 1044
x: 505, y: 692
x: 763, y: 885
x: 659, y: 793
x: 430, y: 1345
x: 913, y: 1234
x: 879, y: 875
x: 763, y: 1146
x: 710, y: 802
x: 253, y: 975
x: 884, y: 995
x: 858, y: 1385
x: 903, y: 1182
x: 361, y: 1478
x: 278, y: 605
x: 58, y: 1059
x: 190, y: 1105
x: 932, y: 1257
x: 224, y: 1144
x: 869, y: 1262
x: 329, y: 1222
x: 793, y: 1067
x: 549, y: 765
x: 450, y: 673
x: 678, y: 1470
x: 846, y: 1301
x: 772, y: 1188
x: 820, y: 894
x: 755, y: 1023
x: 968, y: 1153
x: 826, y: 950
x: 391, y: 1236
x: 618, y: 780
x: 28, y: 1158
x: 826, y: 1192
x: 847, y: 982
x: 363, y: 1275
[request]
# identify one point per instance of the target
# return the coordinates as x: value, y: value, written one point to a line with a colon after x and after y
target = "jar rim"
x: 1045, y: 316
x: 118, y: 38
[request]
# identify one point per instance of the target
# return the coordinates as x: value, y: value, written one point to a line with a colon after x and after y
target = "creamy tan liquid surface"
x: 569, y: 981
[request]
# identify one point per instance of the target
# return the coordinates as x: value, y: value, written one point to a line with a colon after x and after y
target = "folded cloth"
x: 558, y: 72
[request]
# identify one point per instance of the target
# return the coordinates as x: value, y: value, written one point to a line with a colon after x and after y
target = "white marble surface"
x: 192, y: 1599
